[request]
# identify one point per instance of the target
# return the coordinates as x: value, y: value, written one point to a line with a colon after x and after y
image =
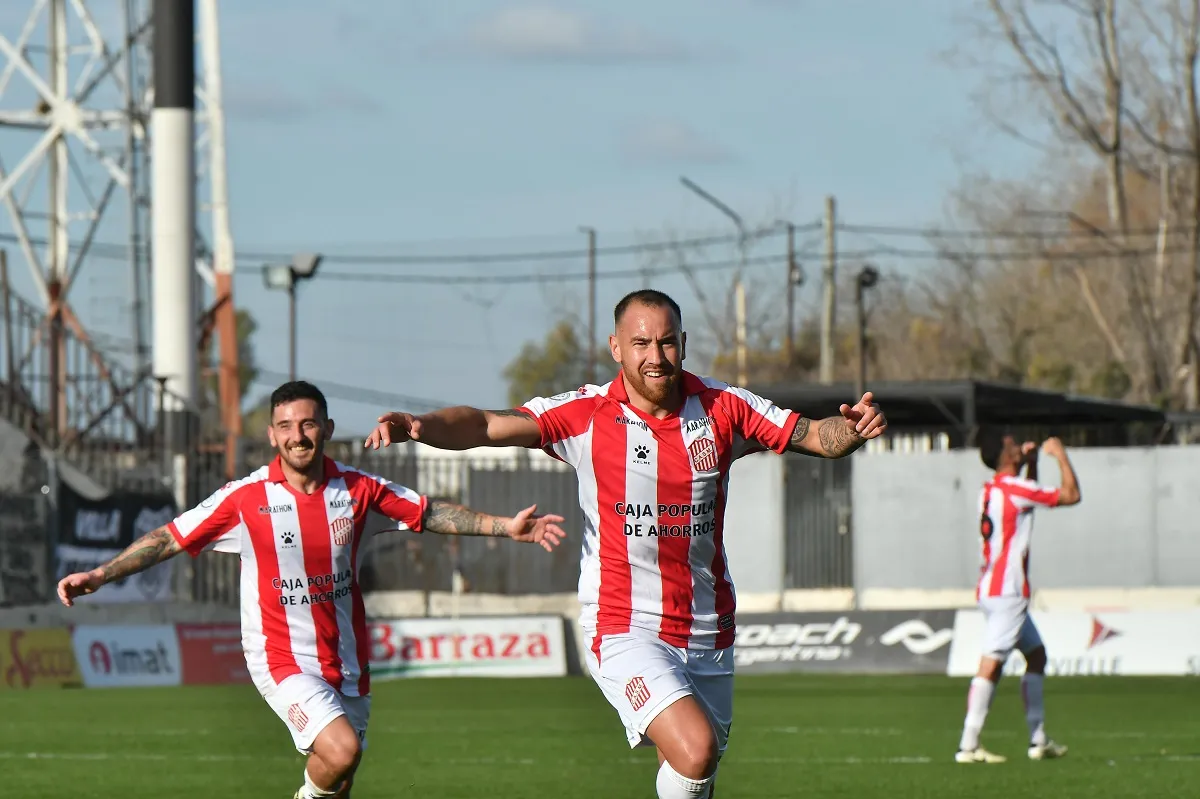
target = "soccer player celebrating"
x: 1006, y: 508
x: 298, y: 525
x: 652, y: 450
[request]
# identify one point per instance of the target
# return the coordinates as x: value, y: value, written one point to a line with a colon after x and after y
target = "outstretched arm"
x: 448, y: 518
x: 825, y: 438
x: 838, y: 436
x: 149, y: 550
x: 457, y: 428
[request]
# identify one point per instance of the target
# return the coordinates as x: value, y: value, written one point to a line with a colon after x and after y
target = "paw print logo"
x: 288, y: 538
x: 641, y: 453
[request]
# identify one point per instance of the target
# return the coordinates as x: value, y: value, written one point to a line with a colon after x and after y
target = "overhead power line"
x: 386, y: 400
x: 528, y: 277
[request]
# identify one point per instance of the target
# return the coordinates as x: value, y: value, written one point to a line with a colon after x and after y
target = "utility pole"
x: 789, y: 346
x: 591, y: 324
x: 829, y: 288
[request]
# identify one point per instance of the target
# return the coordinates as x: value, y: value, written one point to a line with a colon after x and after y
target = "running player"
x: 298, y: 525
x: 652, y: 450
x: 1006, y: 507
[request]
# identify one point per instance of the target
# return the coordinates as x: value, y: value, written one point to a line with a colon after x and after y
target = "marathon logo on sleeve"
x: 667, y: 521
x: 317, y: 588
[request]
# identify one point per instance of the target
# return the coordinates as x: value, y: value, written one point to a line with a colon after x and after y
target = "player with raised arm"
x: 298, y: 525
x: 652, y: 450
x: 1006, y: 507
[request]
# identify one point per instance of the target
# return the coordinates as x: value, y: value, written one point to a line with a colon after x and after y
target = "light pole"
x: 591, y: 324
x: 739, y: 286
x: 283, y: 277
x: 867, y: 277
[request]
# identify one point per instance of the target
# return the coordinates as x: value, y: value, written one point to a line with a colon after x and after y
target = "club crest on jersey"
x: 637, y: 693
x: 704, y: 454
x: 297, y: 717
x: 342, y: 528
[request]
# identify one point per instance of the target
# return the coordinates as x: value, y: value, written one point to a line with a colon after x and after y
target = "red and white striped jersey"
x: 1006, y: 507
x: 302, y: 607
x: 653, y: 497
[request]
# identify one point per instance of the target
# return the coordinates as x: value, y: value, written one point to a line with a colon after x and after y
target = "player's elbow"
x: 1069, y: 495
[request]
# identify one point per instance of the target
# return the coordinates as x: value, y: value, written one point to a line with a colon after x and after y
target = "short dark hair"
x: 991, y: 445
x: 650, y: 297
x: 299, y: 390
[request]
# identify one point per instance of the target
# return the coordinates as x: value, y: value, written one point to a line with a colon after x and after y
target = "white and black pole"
x: 173, y: 192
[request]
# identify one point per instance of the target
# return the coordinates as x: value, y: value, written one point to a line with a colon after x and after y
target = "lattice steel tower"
x: 103, y: 118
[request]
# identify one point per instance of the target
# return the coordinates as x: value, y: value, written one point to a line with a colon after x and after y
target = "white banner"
x: 1132, y: 643
x: 151, y: 585
x: 487, y: 646
x: 112, y: 656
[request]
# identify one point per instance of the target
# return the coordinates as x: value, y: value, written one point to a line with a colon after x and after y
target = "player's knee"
x: 339, y: 748
x: 990, y: 669
x: 1035, y: 660
x: 698, y: 754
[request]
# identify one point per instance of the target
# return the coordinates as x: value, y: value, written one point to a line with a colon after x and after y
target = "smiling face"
x: 298, y: 432
x: 649, y: 345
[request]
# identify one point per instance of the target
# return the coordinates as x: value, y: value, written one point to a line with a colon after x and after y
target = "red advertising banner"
x: 212, y: 654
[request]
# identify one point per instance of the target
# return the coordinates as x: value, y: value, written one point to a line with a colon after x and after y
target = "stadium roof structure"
x: 965, y: 405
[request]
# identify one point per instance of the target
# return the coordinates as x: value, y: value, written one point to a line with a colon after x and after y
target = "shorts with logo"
x: 307, y: 705
x: 641, y: 675
x: 1007, y: 627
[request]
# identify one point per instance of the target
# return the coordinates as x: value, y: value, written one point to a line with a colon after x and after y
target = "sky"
x: 435, y: 128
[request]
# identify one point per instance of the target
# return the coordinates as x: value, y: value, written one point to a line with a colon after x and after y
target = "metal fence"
x: 406, y: 561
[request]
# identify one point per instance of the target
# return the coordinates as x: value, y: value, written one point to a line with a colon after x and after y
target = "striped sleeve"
x: 216, y: 523
x: 397, y: 502
x: 1027, y: 494
x: 562, y: 419
x: 759, y: 421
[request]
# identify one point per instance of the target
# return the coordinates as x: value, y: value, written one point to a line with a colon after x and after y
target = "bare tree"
x: 1115, y: 80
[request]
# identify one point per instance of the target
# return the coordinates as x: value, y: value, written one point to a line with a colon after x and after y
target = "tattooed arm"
x: 831, y: 437
x: 450, y: 519
x: 838, y: 436
x: 149, y: 550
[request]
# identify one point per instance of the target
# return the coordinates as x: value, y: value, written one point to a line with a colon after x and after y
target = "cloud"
x: 272, y: 103
x: 671, y: 141
x: 539, y: 33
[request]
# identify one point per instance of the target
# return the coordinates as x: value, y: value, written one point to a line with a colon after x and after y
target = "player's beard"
x: 657, y: 390
x: 303, y: 455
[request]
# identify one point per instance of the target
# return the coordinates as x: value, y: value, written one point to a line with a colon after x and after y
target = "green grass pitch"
x: 793, y: 736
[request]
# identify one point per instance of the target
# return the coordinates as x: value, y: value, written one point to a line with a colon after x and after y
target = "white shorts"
x: 307, y: 705
x: 641, y: 675
x: 1008, y: 627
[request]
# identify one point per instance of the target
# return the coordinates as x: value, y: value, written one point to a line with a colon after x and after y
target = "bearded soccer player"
x: 1006, y: 506
x: 652, y: 450
x: 298, y: 525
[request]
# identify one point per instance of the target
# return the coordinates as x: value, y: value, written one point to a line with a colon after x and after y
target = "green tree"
x: 247, y: 326
x: 556, y: 364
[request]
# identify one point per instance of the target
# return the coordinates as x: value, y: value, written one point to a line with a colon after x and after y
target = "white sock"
x: 673, y: 785
x: 1035, y: 708
x: 311, y: 791
x: 979, y: 701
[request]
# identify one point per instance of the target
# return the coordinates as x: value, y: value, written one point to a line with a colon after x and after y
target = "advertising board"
x: 111, y: 656
x: 1133, y: 643
x: 484, y: 646
x: 41, y: 658
x: 916, y: 641
x: 212, y: 654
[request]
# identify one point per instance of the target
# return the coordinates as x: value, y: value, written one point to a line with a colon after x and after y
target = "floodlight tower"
x: 87, y: 133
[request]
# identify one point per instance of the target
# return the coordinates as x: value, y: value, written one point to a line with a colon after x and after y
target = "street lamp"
x: 739, y: 286
x: 867, y: 277
x: 283, y: 277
